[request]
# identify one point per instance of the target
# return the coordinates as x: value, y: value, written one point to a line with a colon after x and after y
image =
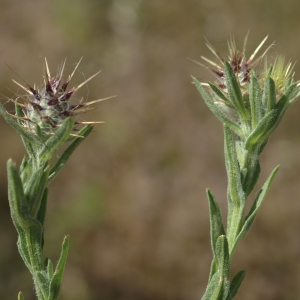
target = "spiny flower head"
x: 231, y: 92
x: 44, y: 109
x: 250, y: 100
x: 241, y: 66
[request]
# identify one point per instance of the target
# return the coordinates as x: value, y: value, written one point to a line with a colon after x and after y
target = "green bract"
x: 250, y: 102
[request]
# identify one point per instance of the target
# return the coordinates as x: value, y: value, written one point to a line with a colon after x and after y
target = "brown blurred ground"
x: 133, y: 196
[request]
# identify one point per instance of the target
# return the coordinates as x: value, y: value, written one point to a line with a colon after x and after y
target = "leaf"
x: 252, y: 175
x: 49, y: 267
x: 234, y: 91
x: 20, y: 296
x: 17, y: 200
x: 256, y: 205
x: 22, y: 247
x: 83, y: 133
x: 284, y: 100
x: 55, y: 141
x: 220, y: 94
x: 222, y: 254
x: 235, y: 284
x: 38, y: 192
x: 43, y: 206
x: 263, y: 130
x: 26, y: 135
x: 218, y: 286
x: 59, y: 270
x: 232, y: 167
x: 214, y: 288
x: 42, y: 283
x: 216, y: 223
x: 216, y: 110
x: 255, y: 100
x: 269, y: 94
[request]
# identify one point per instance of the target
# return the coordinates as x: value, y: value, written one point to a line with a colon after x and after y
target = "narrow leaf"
x: 269, y: 94
x: 49, y: 267
x: 234, y: 91
x: 256, y: 205
x: 214, y: 288
x: 23, y: 247
x: 16, y: 126
x: 218, y: 286
x: 42, y: 282
x: 43, y: 206
x: 31, y: 186
x: 235, y: 284
x: 83, y: 133
x: 59, y: 270
x: 232, y: 167
x: 36, y: 198
x: 284, y: 100
x: 216, y: 110
x: 263, y: 130
x: 216, y: 223
x: 220, y: 94
x: 20, y: 296
x: 255, y: 100
x: 222, y: 254
x: 55, y: 141
x: 17, y: 200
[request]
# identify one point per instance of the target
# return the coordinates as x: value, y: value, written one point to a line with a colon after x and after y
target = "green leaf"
x: 17, y: 200
x: 9, y: 119
x: 49, y: 267
x: 235, y: 284
x: 252, y: 175
x: 284, y: 99
x: 222, y: 254
x: 43, y: 206
x: 270, y: 121
x: 55, y: 141
x: 216, y: 223
x: 214, y: 288
x: 269, y: 94
x: 232, y: 167
x: 234, y: 91
x: 38, y: 192
x: 216, y: 110
x: 42, y: 283
x: 263, y: 130
x: 59, y: 270
x: 255, y: 100
x: 22, y: 247
x: 83, y: 133
x: 20, y: 296
x: 218, y: 286
x: 32, y: 184
x: 256, y: 205
x: 220, y: 94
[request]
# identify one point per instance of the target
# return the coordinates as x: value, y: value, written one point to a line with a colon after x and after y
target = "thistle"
x: 45, y: 119
x: 250, y: 98
x: 44, y: 110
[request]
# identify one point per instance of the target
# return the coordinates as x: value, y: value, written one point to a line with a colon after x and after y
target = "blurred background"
x: 132, y: 197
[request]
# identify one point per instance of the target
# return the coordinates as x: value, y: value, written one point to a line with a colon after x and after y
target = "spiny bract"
x: 44, y: 109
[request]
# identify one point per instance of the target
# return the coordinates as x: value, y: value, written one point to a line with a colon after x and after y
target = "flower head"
x: 241, y: 66
x: 234, y: 76
x: 44, y: 109
x: 250, y: 99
